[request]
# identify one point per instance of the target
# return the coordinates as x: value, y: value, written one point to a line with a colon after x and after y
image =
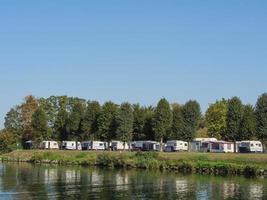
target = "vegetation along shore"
x: 250, y: 165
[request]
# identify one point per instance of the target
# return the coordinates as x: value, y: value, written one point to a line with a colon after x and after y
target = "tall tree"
x: 13, y: 121
x: 233, y: 120
x: 148, y: 124
x: 106, y: 121
x: 40, y: 126
x: 177, y: 122
x: 124, y: 120
x: 60, y: 125
x: 248, y: 123
x: 27, y: 109
x: 191, y: 116
x: 139, y: 114
x: 75, y: 118
x: 216, y: 116
x: 89, y: 122
x: 162, y: 120
x: 261, y: 118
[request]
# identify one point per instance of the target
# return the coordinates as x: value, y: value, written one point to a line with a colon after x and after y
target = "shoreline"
x: 248, y: 165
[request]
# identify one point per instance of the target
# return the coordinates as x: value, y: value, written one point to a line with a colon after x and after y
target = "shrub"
x: 7, y: 141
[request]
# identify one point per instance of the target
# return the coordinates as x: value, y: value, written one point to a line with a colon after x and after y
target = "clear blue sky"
x: 133, y: 50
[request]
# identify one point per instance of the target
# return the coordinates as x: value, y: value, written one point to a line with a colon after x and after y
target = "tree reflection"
x: 26, y: 181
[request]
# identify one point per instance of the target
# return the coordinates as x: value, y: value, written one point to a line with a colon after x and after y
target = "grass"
x: 186, y: 162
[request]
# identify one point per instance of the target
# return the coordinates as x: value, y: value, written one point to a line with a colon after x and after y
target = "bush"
x: 7, y: 141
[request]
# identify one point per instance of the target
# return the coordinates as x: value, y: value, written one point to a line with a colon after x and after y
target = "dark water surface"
x: 27, y: 181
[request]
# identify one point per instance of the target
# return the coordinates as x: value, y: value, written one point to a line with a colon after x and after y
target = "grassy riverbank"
x: 187, y: 162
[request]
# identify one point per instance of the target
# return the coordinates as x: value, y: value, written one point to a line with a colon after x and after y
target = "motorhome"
x: 250, y: 147
x: 151, y: 146
x: 200, y: 144
x: 49, y: 145
x: 71, y: 145
x: 93, y: 145
x: 176, y: 145
x: 118, y: 145
x: 220, y: 147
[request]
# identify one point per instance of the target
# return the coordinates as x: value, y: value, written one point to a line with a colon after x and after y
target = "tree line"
x: 71, y: 118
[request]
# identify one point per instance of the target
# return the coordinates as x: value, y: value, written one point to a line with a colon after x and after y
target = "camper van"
x: 71, y: 145
x: 176, y: 145
x: 221, y: 147
x: 93, y: 145
x: 118, y: 145
x: 49, y: 145
x: 250, y: 147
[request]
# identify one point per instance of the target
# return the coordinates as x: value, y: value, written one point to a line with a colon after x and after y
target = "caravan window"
x: 55, y: 143
x: 100, y: 144
x: 251, y: 145
x: 185, y: 144
x: 259, y: 145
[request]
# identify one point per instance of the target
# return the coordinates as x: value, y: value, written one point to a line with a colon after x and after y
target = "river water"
x: 28, y: 181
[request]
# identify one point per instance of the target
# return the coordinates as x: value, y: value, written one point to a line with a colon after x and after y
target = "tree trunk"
x: 263, y: 146
x: 235, y: 146
x: 123, y: 146
x: 161, y: 143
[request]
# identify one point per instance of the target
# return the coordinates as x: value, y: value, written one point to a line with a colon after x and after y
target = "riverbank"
x: 185, y: 162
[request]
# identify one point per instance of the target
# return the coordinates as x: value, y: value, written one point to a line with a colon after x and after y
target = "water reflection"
x: 26, y: 181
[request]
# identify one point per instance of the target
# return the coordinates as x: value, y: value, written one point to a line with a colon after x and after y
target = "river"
x: 28, y: 181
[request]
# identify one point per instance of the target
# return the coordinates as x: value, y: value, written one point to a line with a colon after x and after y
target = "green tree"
x: 191, y: 117
x: 248, y: 123
x: 261, y: 118
x: 148, y: 124
x: 106, y: 121
x: 139, y: 114
x: 89, y: 122
x: 233, y: 120
x: 162, y: 120
x: 124, y: 120
x: 40, y: 126
x: 216, y: 116
x: 60, y: 125
x: 76, y: 115
x: 13, y: 121
x: 177, y: 122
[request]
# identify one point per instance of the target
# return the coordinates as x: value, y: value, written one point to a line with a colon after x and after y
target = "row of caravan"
x: 220, y: 146
x: 197, y: 145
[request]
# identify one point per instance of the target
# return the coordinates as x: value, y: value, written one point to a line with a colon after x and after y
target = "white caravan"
x: 250, y: 146
x: 93, y: 145
x: 71, y: 145
x: 49, y: 145
x: 200, y: 144
x: 176, y: 145
x: 221, y: 147
x: 118, y: 145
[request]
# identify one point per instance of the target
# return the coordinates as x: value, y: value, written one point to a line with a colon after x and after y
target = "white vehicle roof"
x: 204, y: 139
x: 251, y: 141
x: 170, y: 141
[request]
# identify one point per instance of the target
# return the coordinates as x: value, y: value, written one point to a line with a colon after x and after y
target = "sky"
x: 136, y: 51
